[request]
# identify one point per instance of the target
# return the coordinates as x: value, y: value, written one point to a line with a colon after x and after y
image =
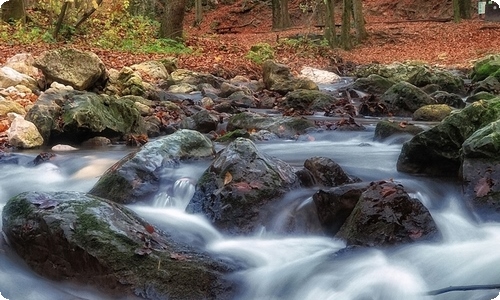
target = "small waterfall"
x: 177, y: 196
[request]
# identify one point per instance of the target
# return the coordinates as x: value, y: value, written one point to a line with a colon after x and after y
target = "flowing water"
x: 300, y: 266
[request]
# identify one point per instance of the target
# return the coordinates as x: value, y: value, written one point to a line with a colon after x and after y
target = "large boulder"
x: 137, y: 177
x: 437, y: 151
x: 279, y: 78
x: 446, y: 80
x: 282, y: 126
x: 203, y: 121
x: 374, y: 85
x: 403, y: 99
x: 238, y: 184
x: 79, y: 69
x: 193, y: 78
x: 75, y: 236
x: 74, y: 116
x: 153, y: 69
x: 450, y: 99
x: 386, y: 215
x: 395, y: 72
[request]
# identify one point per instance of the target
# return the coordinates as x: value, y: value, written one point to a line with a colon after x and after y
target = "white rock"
x: 22, y: 133
x: 61, y: 147
x: 319, y: 76
x: 10, y: 77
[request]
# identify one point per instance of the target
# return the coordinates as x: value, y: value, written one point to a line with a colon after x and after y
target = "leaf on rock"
x: 178, y: 256
x: 228, y: 178
x: 483, y: 187
x: 387, y: 191
x: 44, y: 203
x: 403, y: 124
x: 149, y: 228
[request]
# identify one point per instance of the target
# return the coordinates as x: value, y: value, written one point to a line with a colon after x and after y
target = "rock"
x: 452, y: 100
x: 336, y: 204
x: 282, y: 126
x: 154, y: 69
x: 319, y: 76
x: 79, y: 237
x: 138, y: 176
x: 374, y: 84
x: 98, y: 141
x: 480, y: 96
x: 308, y: 101
x: 125, y: 82
x: 446, y: 80
x: 481, y: 186
x: 79, y: 69
x: 238, y: 184
x: 241, y: 99
x: 278, y: 78
x: 490, y: 84
x: 433, y: 112
x: 385, y: 129
x: 202, y: 121
x: 232, y: 135
x: 483, y: 143
x: 63, y: 148
x: 485, y: 67
x: 226, y: 89
x: 194, y: 78
x: 386, y: 215
x: 23, y: 134
x: 23, y: 63
x: 395, y: 72
x: 73, y: 116
x: 182, y: 88
x: 403, y: 99
x: 437, y: 151
x: 10, y: 77
x: 7, y: 106
x: 327, y: 173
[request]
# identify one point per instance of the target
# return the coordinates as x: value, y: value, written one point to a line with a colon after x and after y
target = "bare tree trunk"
x: 461, y: 9
x: 346, y: 25
x: 330, y: 29
x: 359, y: 20
x: 87, y: 14
x: 13, y: 10
x: 199, y: 12
x: 172, y: 19
x: 281, y: 17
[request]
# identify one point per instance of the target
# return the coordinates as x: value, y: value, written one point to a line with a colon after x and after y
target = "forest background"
x: 232, y: 37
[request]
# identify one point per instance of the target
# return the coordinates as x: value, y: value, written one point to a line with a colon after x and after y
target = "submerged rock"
x: 238, y: 184
x: 75, y: 236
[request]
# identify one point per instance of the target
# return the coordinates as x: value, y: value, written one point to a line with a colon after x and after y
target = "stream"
x: 283, y: 266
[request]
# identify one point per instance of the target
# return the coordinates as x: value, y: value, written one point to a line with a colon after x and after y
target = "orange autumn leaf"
x: 149, y: 228
x: 483, y: 187
x: 228, y: 178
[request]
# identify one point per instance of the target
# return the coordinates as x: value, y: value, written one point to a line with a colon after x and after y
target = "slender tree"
x: 359, y: 20
x: 198, y: 5
x: 172, y: 19
x: 330, y: 28
x: 345, y: 36
x: 281, y: 17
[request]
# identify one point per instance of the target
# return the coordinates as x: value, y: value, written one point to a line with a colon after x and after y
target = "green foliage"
x: 260, y: 52
x: 305, y: 46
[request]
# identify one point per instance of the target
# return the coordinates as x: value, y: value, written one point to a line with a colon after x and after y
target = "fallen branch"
x: 463, y: 288
x: 442, y: 20
x: 230, y: 28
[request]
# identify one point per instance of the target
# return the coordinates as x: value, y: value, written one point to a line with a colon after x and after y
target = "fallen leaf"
x: 387, y: 191
x: 149, y: 228
x: 228, y: 178
x: 483, y: 187
x: 403, y: 124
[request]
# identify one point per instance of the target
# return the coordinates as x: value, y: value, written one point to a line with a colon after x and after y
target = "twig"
x: 463, y: 288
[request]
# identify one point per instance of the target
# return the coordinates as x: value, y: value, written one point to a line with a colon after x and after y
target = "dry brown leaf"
x: 228, y: 178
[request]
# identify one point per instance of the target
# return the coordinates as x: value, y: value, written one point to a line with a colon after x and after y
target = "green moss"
x: 114, y: 187
x: 17, y: 208
x: 232, y: 135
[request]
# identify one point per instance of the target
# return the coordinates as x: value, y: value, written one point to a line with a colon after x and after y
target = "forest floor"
x: 398, y: 31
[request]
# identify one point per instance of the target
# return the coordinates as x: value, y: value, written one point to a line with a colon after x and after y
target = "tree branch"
x: 463, y: 288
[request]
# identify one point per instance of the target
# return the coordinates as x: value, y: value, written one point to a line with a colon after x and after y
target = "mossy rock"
x: 386, y: 129
x: 485, y: 67
x: 433, y: 112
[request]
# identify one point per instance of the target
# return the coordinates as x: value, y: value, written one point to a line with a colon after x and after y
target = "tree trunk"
x: 13, y: 10
x: 87, y: 14
x: 461, y: 9
x: 172, y: 19
x: 346, y: 25
x: 359, y: 20
x: 330, y: 29
x: 60, y: 19
x: 199, y: 12
x: 281, y: 17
